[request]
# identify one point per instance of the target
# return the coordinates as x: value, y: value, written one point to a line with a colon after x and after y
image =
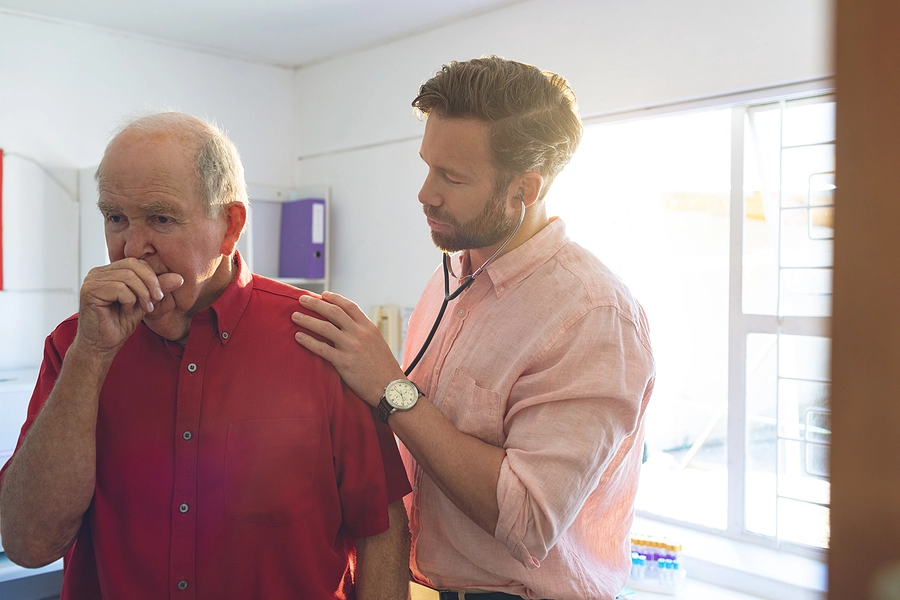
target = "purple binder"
x: 302, y: 252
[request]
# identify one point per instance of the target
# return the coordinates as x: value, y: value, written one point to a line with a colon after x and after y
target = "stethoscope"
x: 463, y: 286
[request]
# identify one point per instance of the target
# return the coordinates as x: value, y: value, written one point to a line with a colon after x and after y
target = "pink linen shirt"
x: 547, y: 355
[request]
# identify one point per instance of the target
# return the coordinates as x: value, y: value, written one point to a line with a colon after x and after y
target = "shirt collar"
x: 520, y: 262
x: 230, y: 306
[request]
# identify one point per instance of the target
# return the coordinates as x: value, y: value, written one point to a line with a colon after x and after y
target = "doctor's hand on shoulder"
x: 357, y: 350
x: 115, y: 298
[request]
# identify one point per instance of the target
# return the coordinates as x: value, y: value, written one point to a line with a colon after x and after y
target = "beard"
x: 489, y: 227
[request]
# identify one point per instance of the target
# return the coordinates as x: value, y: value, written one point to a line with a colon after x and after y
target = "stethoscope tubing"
x: 447, y: 298
x: 462, y: 287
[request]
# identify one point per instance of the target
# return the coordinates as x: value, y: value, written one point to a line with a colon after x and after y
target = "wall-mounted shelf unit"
x: 262, y: 244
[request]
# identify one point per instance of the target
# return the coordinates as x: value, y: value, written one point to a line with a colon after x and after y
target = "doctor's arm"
x: 465, y: 468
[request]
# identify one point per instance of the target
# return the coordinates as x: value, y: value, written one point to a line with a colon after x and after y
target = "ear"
x: 526, y: 187
x: 235, y: 219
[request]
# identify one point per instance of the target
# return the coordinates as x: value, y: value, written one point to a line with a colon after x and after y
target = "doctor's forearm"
x: 465, y: 468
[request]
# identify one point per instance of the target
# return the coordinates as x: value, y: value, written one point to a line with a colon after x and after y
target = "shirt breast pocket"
x: 270, y: 469
x: 473, y: 410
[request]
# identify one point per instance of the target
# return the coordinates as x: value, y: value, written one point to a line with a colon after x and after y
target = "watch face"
x: 402, y: 394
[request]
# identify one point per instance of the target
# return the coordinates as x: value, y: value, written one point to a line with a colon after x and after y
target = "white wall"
x: 63, y: 89
x: 617, y: 54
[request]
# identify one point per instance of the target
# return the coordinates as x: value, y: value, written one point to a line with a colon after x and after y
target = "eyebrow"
x: 105, y: 206
x: 158, y: 207
x: 148, y: 208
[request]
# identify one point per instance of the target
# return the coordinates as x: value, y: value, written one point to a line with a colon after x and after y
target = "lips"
x: 434, y: 219
x: 436, y: 224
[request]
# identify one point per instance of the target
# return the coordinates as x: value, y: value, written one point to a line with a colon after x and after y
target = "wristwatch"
x: 400, y: 394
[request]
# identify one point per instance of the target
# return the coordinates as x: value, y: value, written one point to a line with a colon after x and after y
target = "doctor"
x: 522, y: 424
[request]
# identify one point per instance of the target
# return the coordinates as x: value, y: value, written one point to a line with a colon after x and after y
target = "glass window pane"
x: 798, y: 249
x: 798, y: 165
x: 806, y: 292
x: 762, y: 171
x: 808, y: 122
x: 788, y: 221
x: 760, y: 271
x: 803, y: 523
x: 760, y: 492
x: 805, y: 357
x: 788, y: 436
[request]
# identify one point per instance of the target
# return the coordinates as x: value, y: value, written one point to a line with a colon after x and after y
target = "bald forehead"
x: 179, y: 129
x: 177, y: 140
x: 152, y: 145
x: 172, y: 122
x: 148, y: 166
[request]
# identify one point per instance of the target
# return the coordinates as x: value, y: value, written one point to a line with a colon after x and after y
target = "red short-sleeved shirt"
x: 238, y: 466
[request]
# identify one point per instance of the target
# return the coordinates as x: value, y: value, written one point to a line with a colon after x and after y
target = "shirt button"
x: 182, y: 585
x: 501, y: 288
x: 224, y: 335
x: 461, y: 312
x: 184, y: 508
x: 192, y: 367
x: 187, y: 435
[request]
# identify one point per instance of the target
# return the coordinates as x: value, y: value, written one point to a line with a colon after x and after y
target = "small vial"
x: 637, y: 571
x: 665, y: 571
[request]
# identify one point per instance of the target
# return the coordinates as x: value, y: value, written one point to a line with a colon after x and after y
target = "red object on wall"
x: 1, y: 218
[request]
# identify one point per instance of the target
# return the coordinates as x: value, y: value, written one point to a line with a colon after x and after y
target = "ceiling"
x: 280, y: 32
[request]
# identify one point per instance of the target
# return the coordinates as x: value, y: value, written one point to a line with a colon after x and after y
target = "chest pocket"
x: 270, y: 469
x: 473, y: 410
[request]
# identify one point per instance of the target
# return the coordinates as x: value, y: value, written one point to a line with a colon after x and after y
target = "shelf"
x: 260, y: 245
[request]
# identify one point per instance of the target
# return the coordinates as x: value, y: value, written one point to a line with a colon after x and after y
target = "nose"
x: 428, y: 195
x: 138, y: 242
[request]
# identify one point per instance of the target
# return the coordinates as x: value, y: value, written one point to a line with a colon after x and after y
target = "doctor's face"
x: 460, y: 199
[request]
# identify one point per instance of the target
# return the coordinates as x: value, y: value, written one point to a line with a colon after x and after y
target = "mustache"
x: 436, y: 214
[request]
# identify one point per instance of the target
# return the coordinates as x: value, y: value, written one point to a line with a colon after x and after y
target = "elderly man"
x: 178, y: 444
x: 522, y: 423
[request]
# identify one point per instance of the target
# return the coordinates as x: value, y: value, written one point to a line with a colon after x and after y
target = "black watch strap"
x: 385, y: 410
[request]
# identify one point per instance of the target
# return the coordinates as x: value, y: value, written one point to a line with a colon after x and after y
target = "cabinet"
x: 261, y: 244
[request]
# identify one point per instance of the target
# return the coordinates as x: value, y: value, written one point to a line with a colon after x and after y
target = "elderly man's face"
x: 153, y: 212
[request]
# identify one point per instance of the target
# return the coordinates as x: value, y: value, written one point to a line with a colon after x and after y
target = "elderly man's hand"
x: 114, y: 299
x: 357, y: 349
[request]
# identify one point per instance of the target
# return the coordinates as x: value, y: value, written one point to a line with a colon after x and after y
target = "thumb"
x: 169, y: 282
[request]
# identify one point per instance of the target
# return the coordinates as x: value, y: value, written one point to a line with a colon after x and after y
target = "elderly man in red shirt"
x: 178, y: 443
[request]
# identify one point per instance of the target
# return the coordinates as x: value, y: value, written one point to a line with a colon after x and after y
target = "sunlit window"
x: 737, y: 289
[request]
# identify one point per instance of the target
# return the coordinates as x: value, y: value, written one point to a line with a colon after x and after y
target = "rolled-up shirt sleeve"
x: 599, y: 372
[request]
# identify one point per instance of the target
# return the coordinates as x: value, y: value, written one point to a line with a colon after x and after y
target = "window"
x: 720, y: 222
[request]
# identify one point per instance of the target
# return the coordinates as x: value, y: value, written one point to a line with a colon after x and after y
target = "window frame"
x: 740, y: 324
